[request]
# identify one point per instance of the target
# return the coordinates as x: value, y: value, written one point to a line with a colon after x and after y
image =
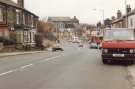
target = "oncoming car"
x: 57, y: 47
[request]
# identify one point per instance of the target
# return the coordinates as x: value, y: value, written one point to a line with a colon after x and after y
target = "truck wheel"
x: 61, y: 49
x: 54, y: 50
x: 104, y: 61
x: 133, y: 62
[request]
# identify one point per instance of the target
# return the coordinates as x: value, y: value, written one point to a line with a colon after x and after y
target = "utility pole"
x: 103, y: 13
x: 126, y: 14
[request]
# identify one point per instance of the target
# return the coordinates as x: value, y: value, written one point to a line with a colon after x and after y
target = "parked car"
x: 93, y: 45
x: 69, y: 40
x: 81, y: 45
x: 76, y: 40
x: 57, y: 47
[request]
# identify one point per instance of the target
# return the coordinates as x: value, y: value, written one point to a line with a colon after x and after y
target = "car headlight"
x: 132, y: 50
x: 105, y: 50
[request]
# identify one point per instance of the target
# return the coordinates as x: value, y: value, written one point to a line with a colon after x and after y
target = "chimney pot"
x: 20, y: 3
x: 128, y: 9
x: 119, y: 14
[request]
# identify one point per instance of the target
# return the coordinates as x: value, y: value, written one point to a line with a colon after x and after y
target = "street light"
x: 125, y: 4
x: 103, y: 13
x: 126, y: 13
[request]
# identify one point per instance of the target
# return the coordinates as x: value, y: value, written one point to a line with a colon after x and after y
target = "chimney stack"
x: 20, y: 3
x: 113, y: 17
x: 128, y: 9
x: 119, y: 14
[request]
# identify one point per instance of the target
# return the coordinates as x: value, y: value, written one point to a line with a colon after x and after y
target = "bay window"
x: 18, y: 12
x: 1, y: 14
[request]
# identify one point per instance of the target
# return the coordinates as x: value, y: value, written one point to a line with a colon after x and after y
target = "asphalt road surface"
x: 75, y: 68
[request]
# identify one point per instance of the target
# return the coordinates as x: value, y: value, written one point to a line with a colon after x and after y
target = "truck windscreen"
x: 119, y: 35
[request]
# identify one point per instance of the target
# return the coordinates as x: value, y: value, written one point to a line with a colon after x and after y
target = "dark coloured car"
x: 57, y: 47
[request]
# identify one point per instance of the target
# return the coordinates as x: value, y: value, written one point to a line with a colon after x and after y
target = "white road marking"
x: 48, y: 59
x: 26, y: 66
x: 11, y: 71
x: 23, y: 67
x: 8, y: 72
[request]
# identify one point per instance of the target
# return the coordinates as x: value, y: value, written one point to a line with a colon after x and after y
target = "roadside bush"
x: 47, y: 43
x: 7, y: 41
x: 39, y: 40
x: 13, y: 35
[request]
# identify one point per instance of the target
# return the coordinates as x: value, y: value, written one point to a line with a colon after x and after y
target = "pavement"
x: 29, y: 52
x: 18, y: 53
x: 131, y: 73
x: 75, y: 68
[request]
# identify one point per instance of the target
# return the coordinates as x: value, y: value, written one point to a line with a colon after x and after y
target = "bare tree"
x: 45, y: 31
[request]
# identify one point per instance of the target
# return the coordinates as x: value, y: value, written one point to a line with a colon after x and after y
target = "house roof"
x: 131, y: 13
x: 119, y: 19
x: 12, y: 3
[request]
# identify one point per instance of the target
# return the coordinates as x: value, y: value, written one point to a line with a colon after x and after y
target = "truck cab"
x: 118, y: 45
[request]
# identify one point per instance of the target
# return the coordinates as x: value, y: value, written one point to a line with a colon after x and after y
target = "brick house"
x: 120, y: 21
x: 14, y: 17
x: 131, y: 19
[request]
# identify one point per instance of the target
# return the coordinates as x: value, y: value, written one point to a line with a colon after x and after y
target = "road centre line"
x: 26, y: 66
x: 8, y: 72
x: 23, y: 67
x: 11, y: 71
x: 48, y: 59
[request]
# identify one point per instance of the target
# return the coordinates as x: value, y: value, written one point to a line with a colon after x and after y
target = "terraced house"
x: 15, y: 18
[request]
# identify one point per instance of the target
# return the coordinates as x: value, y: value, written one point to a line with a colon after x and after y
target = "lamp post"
x: 126, y: 14
x: 125, y: 4
x: 103, y: 13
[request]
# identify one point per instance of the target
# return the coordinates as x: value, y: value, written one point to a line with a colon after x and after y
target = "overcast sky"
x: 83, y: 9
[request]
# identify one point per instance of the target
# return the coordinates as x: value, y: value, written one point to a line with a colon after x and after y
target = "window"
x: 32, y: 20
x: 1, y: 15
x: 24, y: 19
x: 17, y: 16
x: 26, y: 36
x: 131, y: 22
x: 18, y: 36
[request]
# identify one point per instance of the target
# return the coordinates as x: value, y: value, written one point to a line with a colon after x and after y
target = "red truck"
x: 118, y: 45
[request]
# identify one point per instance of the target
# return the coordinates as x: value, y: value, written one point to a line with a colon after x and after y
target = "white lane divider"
x: 8, y: 72
x: 26, y: 66
x: 48, y: 59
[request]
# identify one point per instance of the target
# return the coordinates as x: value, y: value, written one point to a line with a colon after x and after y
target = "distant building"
x: 107, y: 23
x: 122, y: 20
x: 14, y: 17
x: 62, y: 23
x: 119, y: 23
x: 131, y: 19
x: 87, y: 29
